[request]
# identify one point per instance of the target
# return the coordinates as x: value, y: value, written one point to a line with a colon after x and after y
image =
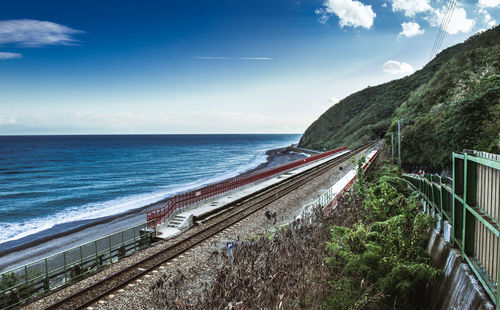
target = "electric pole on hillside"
x: 392, y: 147
x: 399, y: 143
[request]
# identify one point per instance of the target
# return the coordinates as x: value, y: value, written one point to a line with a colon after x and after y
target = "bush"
x: 382, y: 259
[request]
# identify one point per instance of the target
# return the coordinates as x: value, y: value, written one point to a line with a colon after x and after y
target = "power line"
x: 445, y: 21
x: 443, y: 25
x: 445, y: 28
x: 440, y: 27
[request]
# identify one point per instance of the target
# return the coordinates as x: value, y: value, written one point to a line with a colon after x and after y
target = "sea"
x: 48, y: 181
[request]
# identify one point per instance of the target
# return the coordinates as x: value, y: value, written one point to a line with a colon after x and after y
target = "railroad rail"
x: 98, y: 290
x: 182, y: 200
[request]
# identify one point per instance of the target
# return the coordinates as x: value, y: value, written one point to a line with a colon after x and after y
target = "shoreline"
x: 60, y: 238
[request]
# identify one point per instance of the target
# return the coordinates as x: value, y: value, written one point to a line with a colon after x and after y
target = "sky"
x: 206, y: 66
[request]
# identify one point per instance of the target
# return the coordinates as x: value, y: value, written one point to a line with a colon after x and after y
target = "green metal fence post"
x: 453, y: 201
x: 110, y: 250
x: 46, y: 282
x: 46, y: 269
x: 135, y: 243
x: 498, y: 279
x: 432, y: 196
x: 464, y: 211
x: 441, y: 202
x: 469, y: 195
x: 470, y: 199
x: 458, y: 201
x: 65, y: 273
x: 96, y: 255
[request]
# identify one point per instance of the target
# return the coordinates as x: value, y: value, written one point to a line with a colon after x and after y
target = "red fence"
x: 182, y: 200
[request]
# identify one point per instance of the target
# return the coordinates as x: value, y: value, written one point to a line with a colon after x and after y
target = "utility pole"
x: 399, y: 143
x: 392, y: 147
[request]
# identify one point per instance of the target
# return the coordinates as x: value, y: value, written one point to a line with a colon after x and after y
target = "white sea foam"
x: 301, y: 153
x: 15, y: 231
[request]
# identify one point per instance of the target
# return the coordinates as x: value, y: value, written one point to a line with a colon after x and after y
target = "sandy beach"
x: 62, y: 237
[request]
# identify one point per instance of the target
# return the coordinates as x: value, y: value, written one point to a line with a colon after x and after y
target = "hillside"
x: 449, y: 105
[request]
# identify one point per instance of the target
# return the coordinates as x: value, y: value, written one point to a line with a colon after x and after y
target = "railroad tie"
x: 203, y: 238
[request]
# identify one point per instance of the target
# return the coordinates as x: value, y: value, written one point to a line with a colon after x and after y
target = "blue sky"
x: 260, y: 66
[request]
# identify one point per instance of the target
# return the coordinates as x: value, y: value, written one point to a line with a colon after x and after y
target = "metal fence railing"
x: 472, y: 207
x: 179, y: 201
x: 23, y: 283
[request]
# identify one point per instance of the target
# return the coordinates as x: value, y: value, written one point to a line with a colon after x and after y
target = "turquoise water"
x: 51, y: 180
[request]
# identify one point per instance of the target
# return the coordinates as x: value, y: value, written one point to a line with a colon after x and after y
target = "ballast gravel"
x: 197, y: 264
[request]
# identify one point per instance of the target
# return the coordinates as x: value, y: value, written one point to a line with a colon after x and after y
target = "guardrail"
x: 179, y: 201
x: 472, y: 207
x: 23, y: 283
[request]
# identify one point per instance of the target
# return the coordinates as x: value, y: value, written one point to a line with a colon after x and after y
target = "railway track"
x: 95, y: 292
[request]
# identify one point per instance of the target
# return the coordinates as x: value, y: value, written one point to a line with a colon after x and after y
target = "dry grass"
x: 280, y: 270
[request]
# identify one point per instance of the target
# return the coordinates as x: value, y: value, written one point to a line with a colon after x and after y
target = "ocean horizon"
x: 61, y: 180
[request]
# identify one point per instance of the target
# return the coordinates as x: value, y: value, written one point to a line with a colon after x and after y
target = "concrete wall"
x: 458, y: 288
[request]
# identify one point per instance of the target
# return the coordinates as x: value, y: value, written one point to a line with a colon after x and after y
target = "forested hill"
x: 449, y: 105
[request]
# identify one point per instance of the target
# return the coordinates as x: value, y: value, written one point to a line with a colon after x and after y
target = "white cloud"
x: 7, y: 55
x: 255, y: 58
x: 384, y: 5
x: 7, y: 120
x: 396, y: 67
x: 321, y: 107
x: 489, y: 3
x: 411, y: 7
x: 35, y: 33
x: 322, y: 15
x: 333, y: 100
x: 488, y: 20
x: 350, y: 12
x: 458, y: 21
x: 410, y: 29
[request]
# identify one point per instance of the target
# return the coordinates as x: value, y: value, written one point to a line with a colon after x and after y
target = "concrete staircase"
x: 179, y: 221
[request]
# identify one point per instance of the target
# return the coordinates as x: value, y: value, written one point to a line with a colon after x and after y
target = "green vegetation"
x: 449, y: 105
x: 368, y: 253
x: 381, y: 258
x: 10, y: 284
